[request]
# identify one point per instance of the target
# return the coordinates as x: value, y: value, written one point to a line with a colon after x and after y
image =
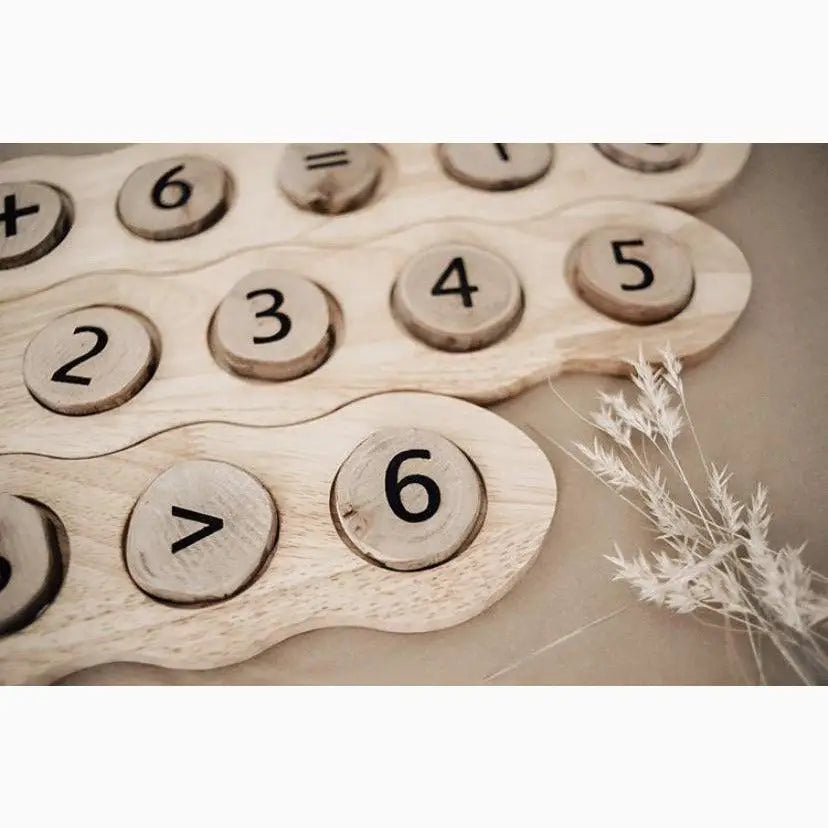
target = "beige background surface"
x: 759, y: 404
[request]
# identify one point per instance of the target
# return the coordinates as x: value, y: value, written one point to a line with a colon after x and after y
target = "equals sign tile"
x: 320, y: 160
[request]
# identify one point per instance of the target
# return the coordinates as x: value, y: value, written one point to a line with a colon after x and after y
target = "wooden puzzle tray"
x: 413, y: 188
x: 372, y: 351
x: 311, y: 573
x: 237, y: 380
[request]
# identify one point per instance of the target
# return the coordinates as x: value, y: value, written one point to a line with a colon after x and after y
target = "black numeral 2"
x: 62, y: 374
x: 465, y: 289
x: 273, y: 311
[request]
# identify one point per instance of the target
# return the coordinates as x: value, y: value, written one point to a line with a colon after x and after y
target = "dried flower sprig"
x: 715, y: 554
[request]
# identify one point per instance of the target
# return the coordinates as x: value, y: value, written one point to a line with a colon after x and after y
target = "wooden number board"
x: 239, y: 382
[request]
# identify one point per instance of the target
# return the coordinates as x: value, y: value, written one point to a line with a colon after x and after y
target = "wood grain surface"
x: 313, y: 579
x: 557, y: 332
x: 412, y: 190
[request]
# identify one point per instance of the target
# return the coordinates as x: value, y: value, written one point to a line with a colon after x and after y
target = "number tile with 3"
x: 456, y: 297
x: 632, y: 274
x: 174, y: 198
x: 273, y: 325
x: 407, y: 499
x: 90, y: 360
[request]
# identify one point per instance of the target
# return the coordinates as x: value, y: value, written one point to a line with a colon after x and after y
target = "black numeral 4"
x: 464, y: 289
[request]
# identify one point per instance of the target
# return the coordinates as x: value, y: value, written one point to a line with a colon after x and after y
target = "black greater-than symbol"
x: 211, y: 524
x: 501, y: 151
x: 11, y: 214
x: 321, y: 160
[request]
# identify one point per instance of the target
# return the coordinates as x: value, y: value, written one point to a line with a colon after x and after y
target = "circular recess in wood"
x: 496, y: 166
x: 200, y: 533
x: 31, y: 565
x: 330, y: 178
x: 34, y: 219
x: 174, y: 198
x: 456, y: 297
x: 407, y: 499
x: 273, y: 325
x: 650, y: 157
x: 632, y: 274
x: 90, y: 360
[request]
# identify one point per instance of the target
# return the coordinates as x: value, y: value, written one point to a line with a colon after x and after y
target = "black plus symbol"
x: 10, y: 214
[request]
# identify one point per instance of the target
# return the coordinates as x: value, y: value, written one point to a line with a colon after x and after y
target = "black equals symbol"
x: 321, y: 160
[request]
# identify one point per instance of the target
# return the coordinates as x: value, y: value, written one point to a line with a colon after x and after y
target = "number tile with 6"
x: 199, y: 506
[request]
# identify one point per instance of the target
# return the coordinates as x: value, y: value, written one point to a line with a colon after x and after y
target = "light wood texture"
x: 566, y: 621
x: 407, y: 499
x: 30, y: 562
x: 330, y: 178
x: 458, y: 297
x: 273, y: 325
x: 557, y: 332
x: 89, y: 360
x: 34, y: 219
x: 649, y: 158
x: 633, y: 274
x: 413, y: 189
x: 313, y: 579
x: 496, y: 166
x: 200, y: 532
x: 174, y: 198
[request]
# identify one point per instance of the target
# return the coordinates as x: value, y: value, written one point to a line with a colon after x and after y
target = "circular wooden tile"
x: 34, y: 219
x: 31, y: 568
x: 330, y: 178
x: 174, y: 198
x: 496, y: 166
x: 407, y: 499
x: 89, y: 360
x: 650, y: 157
x: 273, y: 325
x: 633, y: 275
x: 458, y: 298
x: 200, y: 532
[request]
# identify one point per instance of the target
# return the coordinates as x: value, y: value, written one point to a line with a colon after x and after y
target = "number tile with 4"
x: 456, y: 297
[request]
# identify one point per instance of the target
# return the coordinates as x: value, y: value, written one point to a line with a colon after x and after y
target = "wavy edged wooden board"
x: 312, y: 580
x: 557, y: 332
x: 414, y: 189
